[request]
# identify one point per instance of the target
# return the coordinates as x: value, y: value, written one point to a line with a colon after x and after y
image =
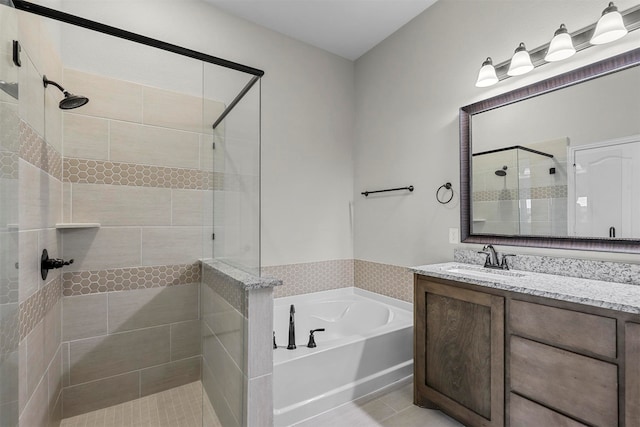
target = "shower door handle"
x: 612, y: 232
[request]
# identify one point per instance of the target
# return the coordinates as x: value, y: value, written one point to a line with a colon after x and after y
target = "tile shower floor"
x: 182, y: 407
x: 177, y: 407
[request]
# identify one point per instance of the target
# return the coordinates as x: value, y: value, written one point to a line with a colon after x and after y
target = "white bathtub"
x: 367, y: 345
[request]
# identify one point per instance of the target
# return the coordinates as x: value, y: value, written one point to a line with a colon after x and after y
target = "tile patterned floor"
x: 177, y: 407
x: 182, y: 407
x: 394, y: 408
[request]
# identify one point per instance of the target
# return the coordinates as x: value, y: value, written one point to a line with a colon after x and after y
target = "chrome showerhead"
x: 502, y: 172
x: 70, y: 100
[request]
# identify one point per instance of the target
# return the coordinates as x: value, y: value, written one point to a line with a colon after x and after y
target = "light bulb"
x: 561, y: 46
x: 520, y: 62
x: 609, y: 27
x: 487, y: 75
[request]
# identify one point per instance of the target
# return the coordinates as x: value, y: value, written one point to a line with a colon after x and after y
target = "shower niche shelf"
x: 72, y: 225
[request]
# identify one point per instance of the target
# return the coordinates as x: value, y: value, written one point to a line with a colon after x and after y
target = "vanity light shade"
x: 609, y: 27
x: 561, y: 46
x: 487, y: 75
x: 520, y: 62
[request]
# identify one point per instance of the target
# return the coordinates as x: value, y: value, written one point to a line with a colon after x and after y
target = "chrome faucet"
x: 492, y: 258
x: 292, y: 329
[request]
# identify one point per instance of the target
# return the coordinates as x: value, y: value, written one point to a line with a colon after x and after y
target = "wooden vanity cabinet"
x: 459, y: 352
x: 489, y: 357
x: 632, y: 374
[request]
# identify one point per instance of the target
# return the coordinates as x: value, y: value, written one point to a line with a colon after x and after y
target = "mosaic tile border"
x: 82, y: 171
x: 38, y: 152
x: 9, y: 127
x: 549, y: 192
x: 127, y: 279
x: 9, y: 289
x: 311, y: 276
x: 9, y: 165
x: 9, y: 329
x: 33, y: 310
x: 385, y: 279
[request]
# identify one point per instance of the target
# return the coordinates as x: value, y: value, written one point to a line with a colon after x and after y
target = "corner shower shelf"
x: 68, y: 225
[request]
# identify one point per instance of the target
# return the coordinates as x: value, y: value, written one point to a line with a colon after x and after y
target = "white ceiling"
x: 348, y: 28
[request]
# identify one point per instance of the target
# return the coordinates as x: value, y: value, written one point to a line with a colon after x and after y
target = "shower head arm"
x: 48, y: 82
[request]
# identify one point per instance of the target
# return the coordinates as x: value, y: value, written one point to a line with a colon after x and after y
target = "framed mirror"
x: 556, y: 164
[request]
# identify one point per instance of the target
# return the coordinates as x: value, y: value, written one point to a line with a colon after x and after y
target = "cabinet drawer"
x: 579, y: 386
x: 580, y: 331
x: 525, y: 413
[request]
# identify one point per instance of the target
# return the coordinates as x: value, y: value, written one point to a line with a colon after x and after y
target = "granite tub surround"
x: 610, y: 295
x: 233, y: 276
x: 237, y: 321
x: 605, y: 271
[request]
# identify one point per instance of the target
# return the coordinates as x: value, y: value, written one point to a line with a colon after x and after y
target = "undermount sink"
x: 482, y: 272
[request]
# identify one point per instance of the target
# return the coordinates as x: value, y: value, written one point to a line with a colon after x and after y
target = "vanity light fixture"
x: 609, y: 27
x: 561, y: 46
x: 520, y: 62
x: 487, y: 75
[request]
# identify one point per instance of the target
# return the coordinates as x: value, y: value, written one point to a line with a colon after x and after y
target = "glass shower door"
x: 9, y: 332
x: 232, y: 243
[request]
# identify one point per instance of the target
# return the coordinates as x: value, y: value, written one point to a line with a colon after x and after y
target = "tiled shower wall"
x: 385, y: 279
x: 138, y: 162
x: 39, y: 133
x: 236, y: 322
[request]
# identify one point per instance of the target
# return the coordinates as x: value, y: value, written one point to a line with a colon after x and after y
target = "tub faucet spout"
x: 292, y: 329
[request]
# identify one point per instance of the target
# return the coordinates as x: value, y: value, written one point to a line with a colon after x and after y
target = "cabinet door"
x: 459, y: 352
x: 632, y: 374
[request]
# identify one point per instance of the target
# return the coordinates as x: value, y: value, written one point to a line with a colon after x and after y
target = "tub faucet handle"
x: 312, y: 340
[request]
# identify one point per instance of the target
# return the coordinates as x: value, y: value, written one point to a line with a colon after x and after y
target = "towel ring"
x: 446, y: 186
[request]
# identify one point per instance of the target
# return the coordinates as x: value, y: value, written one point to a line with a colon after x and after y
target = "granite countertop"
x: 239, y: 277
x: 610, y: 295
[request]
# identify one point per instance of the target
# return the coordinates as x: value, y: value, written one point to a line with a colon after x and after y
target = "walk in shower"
x: 519, y: 190
x: 155, y: 176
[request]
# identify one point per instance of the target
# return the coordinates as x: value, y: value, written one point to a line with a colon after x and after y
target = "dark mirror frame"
x: 602, y: 68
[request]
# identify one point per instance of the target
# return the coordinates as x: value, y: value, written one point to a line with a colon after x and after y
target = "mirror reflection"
x: 562, y: 164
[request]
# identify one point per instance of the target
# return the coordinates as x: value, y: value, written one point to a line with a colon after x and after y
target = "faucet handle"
x: 504, y: 264
x: 312, y: 341
x: 487, y: 259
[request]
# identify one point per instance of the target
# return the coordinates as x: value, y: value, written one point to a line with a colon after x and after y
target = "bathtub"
x: 367, y: 345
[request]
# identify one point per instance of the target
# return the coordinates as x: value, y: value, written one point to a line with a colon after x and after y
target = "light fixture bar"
x: 631, y: 18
